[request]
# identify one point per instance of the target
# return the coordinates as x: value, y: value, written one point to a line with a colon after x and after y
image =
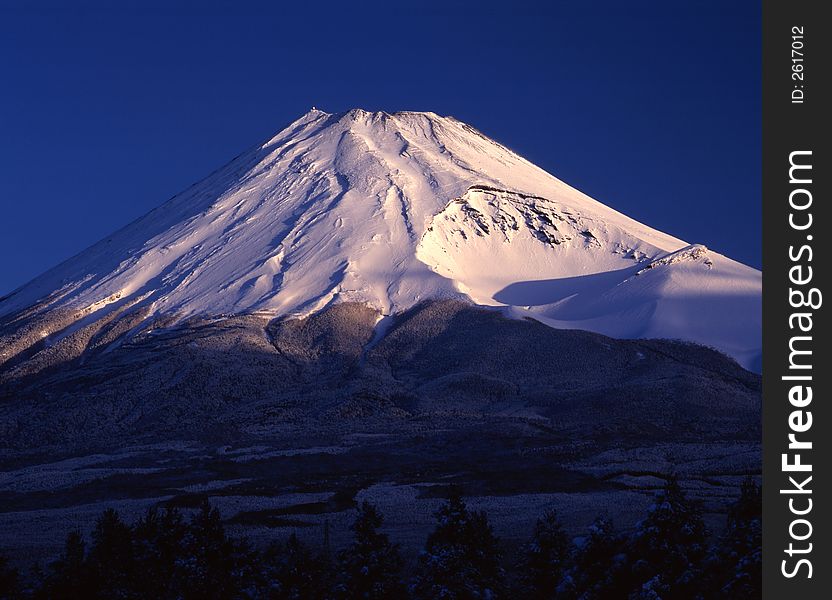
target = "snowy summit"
x: 392, y: 210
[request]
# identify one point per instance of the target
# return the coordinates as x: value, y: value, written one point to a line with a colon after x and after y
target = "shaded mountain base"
x: 288, y: 424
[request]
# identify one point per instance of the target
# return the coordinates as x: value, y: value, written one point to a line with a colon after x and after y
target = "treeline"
x: 164, y: 555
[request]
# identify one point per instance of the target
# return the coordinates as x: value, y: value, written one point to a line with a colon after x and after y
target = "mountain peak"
x: 389, y: 209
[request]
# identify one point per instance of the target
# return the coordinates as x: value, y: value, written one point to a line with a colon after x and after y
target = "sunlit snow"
x: 394, y: 209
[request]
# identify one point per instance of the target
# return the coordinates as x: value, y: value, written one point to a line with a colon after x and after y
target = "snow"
x: 394, y: 209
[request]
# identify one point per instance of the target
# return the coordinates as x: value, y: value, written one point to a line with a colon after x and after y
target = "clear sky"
x: 107, y: 109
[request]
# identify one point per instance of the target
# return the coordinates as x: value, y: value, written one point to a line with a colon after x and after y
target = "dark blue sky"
x: 651, y: 107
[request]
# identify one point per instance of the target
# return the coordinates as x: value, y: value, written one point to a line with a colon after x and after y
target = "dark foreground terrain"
x: 287, y: 426
x: 166, y: 554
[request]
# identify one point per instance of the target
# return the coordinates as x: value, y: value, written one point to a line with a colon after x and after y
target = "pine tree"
x: 209, y: 568
x: 111, y: 557
x: 9, y: 579
x: 599, y: 567
x: 292, y: 572
x: 371, y: 567
x: 461, y: 557
x: 669, y: 548
x: 69, y: 577
x: 737, y: 559
x: 546, y: 559
x: 159, y: 547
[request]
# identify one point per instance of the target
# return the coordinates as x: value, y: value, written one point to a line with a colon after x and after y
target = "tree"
x: 9, y: 579
x: 599, y: 565
x: 736, y: 563
x: 210, y: 568
x: 292, y: 572
x: 69, y: 577
x: 461, y: 557
x: 669, y: 547
x: 371, y: 567
x: 111, y: 559
x: 159, y: 548
x: 546, y: 559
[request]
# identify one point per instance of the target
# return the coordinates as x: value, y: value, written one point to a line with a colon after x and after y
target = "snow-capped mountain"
x: 390, y: 210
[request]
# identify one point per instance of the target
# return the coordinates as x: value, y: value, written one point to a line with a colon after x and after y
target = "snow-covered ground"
x: 391, y: 210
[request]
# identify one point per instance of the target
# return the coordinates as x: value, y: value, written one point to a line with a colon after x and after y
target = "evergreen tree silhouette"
x: 669, y: 548
x: 209, y: 565
x: 599, y: 571
x: 159, y: 547
x: 111, y: 558
x: 371, y: 567
x: 461, y: 557
x: 69, y: 577
x: 546, y: 559
x: 9, y: 580
x: 292, y: 572
x: 736, y: 562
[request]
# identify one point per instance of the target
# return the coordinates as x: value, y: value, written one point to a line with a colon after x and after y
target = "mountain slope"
x: 388, y: 210
x: 447, y: 360
x: 286, y: 424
